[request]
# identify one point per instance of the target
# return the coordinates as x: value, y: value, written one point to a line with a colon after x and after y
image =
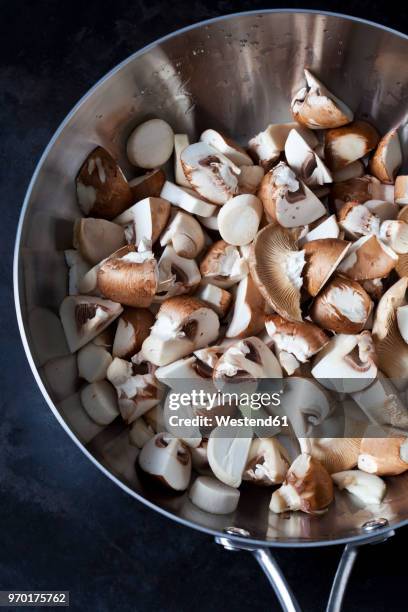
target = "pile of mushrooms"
x: 284, y: 259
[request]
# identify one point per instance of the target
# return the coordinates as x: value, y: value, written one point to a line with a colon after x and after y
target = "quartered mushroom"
x: 318, y: 108
x: 248, y: 312
x: 345, y: 145
x: 387, y: 158
x: 132, y: 330
x: 227, y: 453
x: 322, y: 258
x: 360, y: 190
x: 211, y: 222
x: 374, y: 288
x: 145, y: 220
x: 93, y: 362
x: 267, y: 462
x: 402, y: 321
x: 335, y: 454
x: 401, y: 189
x: 140, y: 433
x: 368, y: 488
x: 185, y: 234
x: 77, y: 268
x: 328, y: 228
x: 176, y: 274
x: 151, y: 144
x: 301, y: 339
x: 250, y: 179
x: 211, y: 495
x: 354, y: 170
x: 187, y: 200
x: 137, y: 393
x: 306, y: 404
x: 99, y: 401
x: 395, y: 234
x: 217, y: 298
x: 181, y: 141
x: 223, y: 265
x: 148, y: 185
x: 305, y: 162
x: 227, y: 147
x: 276, y: 266
x: 308, y: 487
x: 287, y: 200
x: 239, y: 219
x: 269, y: 144
x: 168, y: 460
x: 357, y: 220
x: 183, y: 324
x: 96, y: 239
x: 130, y: 278
x: 83, y: 317
x: 342, y: 306
x: 385, y: 211
x: 210, y: 173
x: 101, y: 187
x: 384, y: 456
x: 368, y: 258
x: 348, y: 363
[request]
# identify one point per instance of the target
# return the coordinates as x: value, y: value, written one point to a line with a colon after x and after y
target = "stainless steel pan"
x: 236, y: 73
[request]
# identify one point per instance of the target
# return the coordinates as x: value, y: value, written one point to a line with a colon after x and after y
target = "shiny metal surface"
x: 236, y: 73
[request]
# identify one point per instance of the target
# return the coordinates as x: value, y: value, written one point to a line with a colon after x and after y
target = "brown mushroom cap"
x: 97, y: 238
x: 322, y: 258
x: 102, y: 189
x: 368, y: 258
x: 148, y: 185
x: 346, y: 144
x: 301, y: 339
x: 401, y: 189
x: 382, y: 456
x: 133, y: 328
x: 387, y: 158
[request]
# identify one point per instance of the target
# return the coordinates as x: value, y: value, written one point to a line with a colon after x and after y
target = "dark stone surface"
x: 63, y: 524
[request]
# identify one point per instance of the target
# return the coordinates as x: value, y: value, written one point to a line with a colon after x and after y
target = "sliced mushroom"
x: 269, y: 144
x: 325, y: 229
x: 357, y: 220
x: 130, y: 278
x: 132, y: 330
x: 145, y: 220
x: 354, y: 170
x: 101, y: 187
x: 401, y: 189
x: 93, y: 362
x: 137, y: 393
x: 303, y: 340
x: 199, y: 457
x: 368, y: 488
x: 185, y: 234
x: 217, y: 298
x: 250, y: 178
x: 267, y: 462
x: 387, y: 158
x: 248, y: 313
x: 342, y: 306
x: 181, y: 141
x: 183, y: 325
x: 167, y: 459
x: 322, y: 259
x: 287, y: 200
x: 177, y: 274
x: 223, y: 265
x: 227, y: 147
x: 305, y: 162
x: 368, y: 258
x: 395, y: 234
x: 227, y: 452
x: 246, y: 360
x: 239, y: 219
x: 96, y: 238
x: 360, y: 190
x: 210, y: 173
x: 151, y: 144
x: 335, y: 454
x: 276, y: 266
x: 83, y: 317
x: 384, y: 210
x: 345, y: 145
x: 140, y: 433
x: 99, y: 402
x: 318, y: 108
x: 384, y: 456
x: 186, y: 200
x: 211, y: 495
x: 148, y: 185
x: 78, y: 267
x: 348, y: 363
x: 307, y: 487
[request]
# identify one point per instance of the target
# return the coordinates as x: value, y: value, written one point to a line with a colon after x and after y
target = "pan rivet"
x: 375, y: 524
x: 237, y: 531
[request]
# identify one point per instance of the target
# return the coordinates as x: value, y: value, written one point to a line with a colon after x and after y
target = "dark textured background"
x: 63, y: 525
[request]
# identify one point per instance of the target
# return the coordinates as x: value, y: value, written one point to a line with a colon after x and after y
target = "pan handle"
x: 279, y: 584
